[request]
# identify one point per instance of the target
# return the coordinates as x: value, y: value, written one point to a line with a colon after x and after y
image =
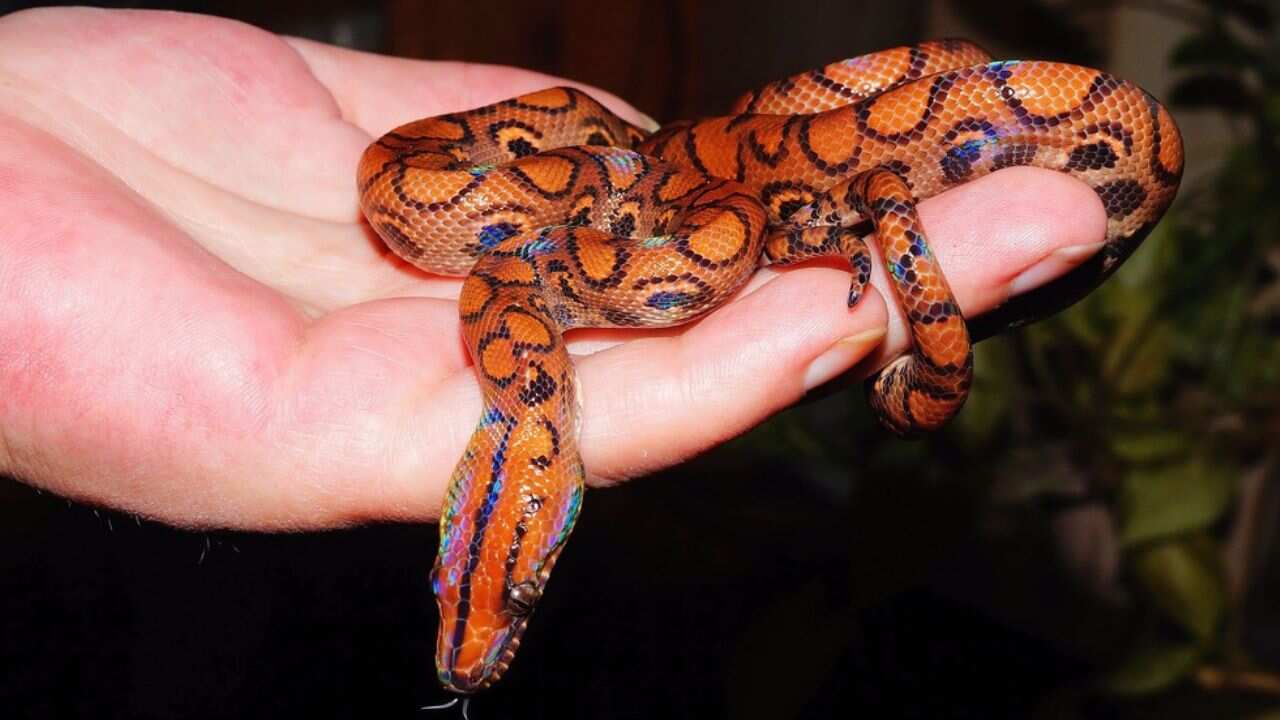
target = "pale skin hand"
x: 196, y: 325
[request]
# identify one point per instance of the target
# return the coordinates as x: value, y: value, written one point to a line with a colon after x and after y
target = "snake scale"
x: 561, y: 215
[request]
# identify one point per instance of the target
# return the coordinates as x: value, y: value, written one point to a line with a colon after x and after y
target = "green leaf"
x: 1149, y: 264
x: 1184, y: 581
x: 1080, y: 323
x: 1149, y: 445
x: 1142, y: 362
x: 1173, y: 498
x: 1152, y: 668
x: 1131, y: 311
x: 1272, y: 109
x: 988, y: 403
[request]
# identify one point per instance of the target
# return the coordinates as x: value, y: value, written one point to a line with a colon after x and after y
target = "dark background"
x: 815, y: 568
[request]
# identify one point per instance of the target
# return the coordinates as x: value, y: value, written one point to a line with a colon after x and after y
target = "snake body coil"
x: 563, y: 216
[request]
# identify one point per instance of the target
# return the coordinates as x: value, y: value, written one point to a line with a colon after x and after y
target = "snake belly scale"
x: 560, y: 215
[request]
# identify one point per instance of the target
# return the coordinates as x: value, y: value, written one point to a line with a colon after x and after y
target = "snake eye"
x: 521, y: 598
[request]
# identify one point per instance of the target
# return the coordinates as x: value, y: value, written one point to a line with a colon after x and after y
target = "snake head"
x: 489, y: 576
x: 475, y: 647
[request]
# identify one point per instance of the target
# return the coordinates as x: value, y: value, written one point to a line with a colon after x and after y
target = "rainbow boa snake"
x: 562, y: 216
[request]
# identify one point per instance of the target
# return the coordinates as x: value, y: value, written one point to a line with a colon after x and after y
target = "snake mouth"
x: 484, y: 674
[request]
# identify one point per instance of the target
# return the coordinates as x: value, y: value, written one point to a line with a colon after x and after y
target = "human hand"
x: 198, y: 327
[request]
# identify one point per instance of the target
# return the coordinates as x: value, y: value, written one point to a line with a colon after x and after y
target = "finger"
x: 651, y: 404
x: 724, y: 375
x: 999, y: 236
x: 377, y: 92
x: 660, y: 399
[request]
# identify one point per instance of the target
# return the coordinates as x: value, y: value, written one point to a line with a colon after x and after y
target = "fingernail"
x: 647, y: 122
x: 841, y: 356
x: 1052, y: 266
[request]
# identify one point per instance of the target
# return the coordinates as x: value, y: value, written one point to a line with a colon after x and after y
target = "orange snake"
x: 562, y: 216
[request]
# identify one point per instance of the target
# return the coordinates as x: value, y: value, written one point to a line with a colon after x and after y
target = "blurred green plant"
x: 1157, y: 397
x: 1164, y: 384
